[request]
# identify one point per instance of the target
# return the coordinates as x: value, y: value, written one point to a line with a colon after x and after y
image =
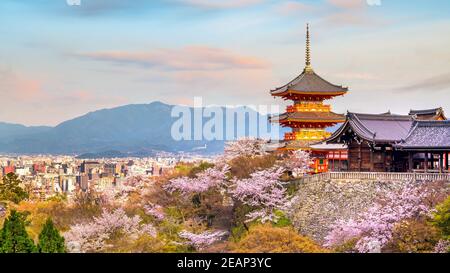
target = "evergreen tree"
x: 50, y: 241
x: 13, y: 236
x: 10, y: 189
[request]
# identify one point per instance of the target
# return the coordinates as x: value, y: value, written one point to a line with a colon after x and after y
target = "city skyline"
x: 64, y: 61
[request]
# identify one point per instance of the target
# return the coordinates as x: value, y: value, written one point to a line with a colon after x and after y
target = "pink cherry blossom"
x: 202, y: 240
x: 210, y: 178
x: 443, y: 246
x: 264, y: 192
x: 155, y: 211
x: 92, y: 236
x: 244, y: 147
x: 374, y: 227
x: 299, y: 162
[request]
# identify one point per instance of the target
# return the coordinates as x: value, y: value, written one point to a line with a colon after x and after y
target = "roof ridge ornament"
x: 308, y: 67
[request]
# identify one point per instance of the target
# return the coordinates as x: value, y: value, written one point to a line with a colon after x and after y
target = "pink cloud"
x: 193, y: 58
x: 348, y: 4
x: 293, y: 7
x: 220, y: 4
x: 357, y: 76
x: 350, y: 13
x: 21, y: 88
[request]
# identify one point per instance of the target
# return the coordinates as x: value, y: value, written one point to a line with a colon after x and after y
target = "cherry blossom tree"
x: 264, y: 192
x: 2, y: 210
x: 211, y: 178
x: 298, y: 162
x: 93, y: 236
x: 443, y: 246
x: 118, y: 194
x: 374, y: 227
x: 204, y: 239
x: 244, y: 147
x: 155, y: 210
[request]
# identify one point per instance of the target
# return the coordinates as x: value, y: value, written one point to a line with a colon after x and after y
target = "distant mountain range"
x: 138, y: 130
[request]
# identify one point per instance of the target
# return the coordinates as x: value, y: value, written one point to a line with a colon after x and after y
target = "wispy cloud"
x: 220, y: 4
x: 356, y: 76
x: 20, y: 88
x: 350, y: 13
x: 437, y: 83
x: 100, y: 7
x: 192, y: 58
x: 348, y: 4
x: 293, y: 8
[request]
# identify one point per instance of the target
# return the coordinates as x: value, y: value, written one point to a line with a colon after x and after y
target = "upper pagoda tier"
x: 309, y: 86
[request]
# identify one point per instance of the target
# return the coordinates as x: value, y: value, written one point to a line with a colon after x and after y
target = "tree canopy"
x: 13, y: 236
x: 10, y: 189
x: 50, y: 241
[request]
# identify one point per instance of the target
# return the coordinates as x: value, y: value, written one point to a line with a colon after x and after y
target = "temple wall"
x: 362, y: 158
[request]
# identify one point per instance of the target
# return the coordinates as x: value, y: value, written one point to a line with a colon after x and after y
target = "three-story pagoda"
x: 308, y: 116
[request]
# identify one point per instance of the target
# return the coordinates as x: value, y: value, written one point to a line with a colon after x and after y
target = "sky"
x: 59, y: 60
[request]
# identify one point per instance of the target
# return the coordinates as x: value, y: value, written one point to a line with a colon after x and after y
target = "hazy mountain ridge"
x: 134, y: 128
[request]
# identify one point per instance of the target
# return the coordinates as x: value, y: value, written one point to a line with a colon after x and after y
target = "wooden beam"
x: 339, y: 161
x: 426, y: 162
x: 371, y: 159
x: 441, y: 162
x: 410, y: 162
x: 446, y: 161
x: 360, y: 157
x: 432, y: 161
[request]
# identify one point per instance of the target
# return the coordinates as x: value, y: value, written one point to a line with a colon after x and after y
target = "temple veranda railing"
x: 376, y: 176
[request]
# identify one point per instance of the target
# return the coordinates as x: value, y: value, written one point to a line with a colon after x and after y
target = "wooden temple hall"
x: 418, y: 141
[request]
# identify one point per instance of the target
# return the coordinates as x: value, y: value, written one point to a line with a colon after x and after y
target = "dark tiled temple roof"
x: 310, y: 116
x: 428, y: 114
x: 425, y: 112
x: 382, y: 128
x: 427, y: 135
x: 309, y: 82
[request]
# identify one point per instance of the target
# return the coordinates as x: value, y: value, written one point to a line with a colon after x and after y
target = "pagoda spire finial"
x: 308, y: 50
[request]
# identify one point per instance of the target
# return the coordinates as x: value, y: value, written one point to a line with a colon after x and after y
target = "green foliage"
x: 237, y: 232
x: 10, y: 189
x: 13, y: 236
x: 441, y: 218
x: 239, y: 226
x: 50, y: 241
x: 283, y: 220
x: 58, y: 198
x: 200, y: 168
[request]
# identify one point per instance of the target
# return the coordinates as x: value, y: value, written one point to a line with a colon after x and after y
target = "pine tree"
x: 50, y: 241
x: 13, y: 236
x: 10, y: 189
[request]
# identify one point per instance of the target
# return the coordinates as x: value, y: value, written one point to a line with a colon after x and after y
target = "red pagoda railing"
x: 289, y: 136
x: 308, y: 107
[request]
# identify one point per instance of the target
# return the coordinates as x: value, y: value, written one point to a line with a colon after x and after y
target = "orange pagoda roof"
x: 309, y: 117
x: 308, y: 83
